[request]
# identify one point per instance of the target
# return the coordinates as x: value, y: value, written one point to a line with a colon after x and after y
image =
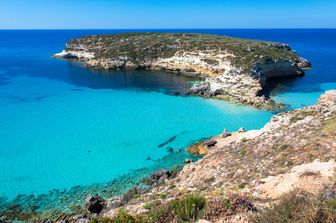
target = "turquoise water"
x: 57, y: 137
x: 67, y: 131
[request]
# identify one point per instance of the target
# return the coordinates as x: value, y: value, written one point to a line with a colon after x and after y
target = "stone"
x: 94, y: 204
x: 310, y: 177
x: 241, y: 130
x: 226, y: 133
x: 82, y: 220
x: 198, y: 149
x: 210, y: 143
x: 114, y: 202
x: 159, y: 177
x: 188, y: 161
x: 77, y: 216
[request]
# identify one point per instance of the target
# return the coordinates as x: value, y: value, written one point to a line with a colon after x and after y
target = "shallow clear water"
x: 63, y: 125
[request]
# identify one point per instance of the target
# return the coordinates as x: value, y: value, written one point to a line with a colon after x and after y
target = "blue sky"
x: 102, y: 14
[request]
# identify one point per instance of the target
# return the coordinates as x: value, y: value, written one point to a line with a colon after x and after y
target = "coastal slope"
x: 245, y: 176
x: 233, y: 69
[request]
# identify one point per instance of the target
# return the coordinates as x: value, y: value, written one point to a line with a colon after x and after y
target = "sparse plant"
x: 243, y: 151
x: 163, y: 196
x: 188, y: 208
x: 244, y: 140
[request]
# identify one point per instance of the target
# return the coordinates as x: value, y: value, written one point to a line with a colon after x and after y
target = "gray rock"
x: 159, y: 177
x: 77, y: 216
x: 226, y: 133
x: 241, y: 130
x: 114, y: 202
x: 202, y: 88
x: 82, y: 220
x: 94, y: 204
x: 188, y: 161
x: 210, y: 143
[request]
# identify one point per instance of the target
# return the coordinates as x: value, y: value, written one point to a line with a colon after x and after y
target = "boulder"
x: 210, y: 143
x: 226, y: 133
x: 198, y: 149
x: 159, y: 177
x: 241, y: 130
x: 94, y: 204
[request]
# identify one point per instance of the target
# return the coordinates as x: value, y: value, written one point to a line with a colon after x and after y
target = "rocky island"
x: 232, y: 69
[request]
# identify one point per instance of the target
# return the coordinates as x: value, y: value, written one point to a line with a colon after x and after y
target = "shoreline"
x: 256, y: 163
x: 221, y: 167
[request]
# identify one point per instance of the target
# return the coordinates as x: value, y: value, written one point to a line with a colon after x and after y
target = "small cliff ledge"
x: 233, y: 69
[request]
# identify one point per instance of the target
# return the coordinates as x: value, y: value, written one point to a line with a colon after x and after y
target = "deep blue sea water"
x: 63, y: 125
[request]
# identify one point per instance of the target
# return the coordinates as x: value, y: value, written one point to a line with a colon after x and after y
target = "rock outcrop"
x: 311, y: 177
x: 94, y: 204
x: 233, y: 69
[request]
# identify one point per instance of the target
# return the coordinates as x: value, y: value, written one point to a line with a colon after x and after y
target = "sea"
x: 67, y: 131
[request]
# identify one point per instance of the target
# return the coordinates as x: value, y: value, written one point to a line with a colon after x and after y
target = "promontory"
x: 232, y: 69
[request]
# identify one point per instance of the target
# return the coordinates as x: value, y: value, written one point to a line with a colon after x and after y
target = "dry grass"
x: 330, y: 126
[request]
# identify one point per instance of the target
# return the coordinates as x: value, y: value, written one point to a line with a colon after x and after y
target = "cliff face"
x: 233, y: 69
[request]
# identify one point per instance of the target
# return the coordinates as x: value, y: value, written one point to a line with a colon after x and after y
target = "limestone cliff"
x: 233, y: 69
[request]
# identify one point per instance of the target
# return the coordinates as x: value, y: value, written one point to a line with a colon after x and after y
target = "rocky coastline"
x: 232, y: 69
x: 243, y: 176
x: 246, y: 176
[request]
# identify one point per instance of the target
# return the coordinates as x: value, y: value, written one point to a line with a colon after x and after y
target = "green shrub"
x: 122, y: 217
x: 163, y: 196
x: 243, y: 151
x: 244, y: 140
x: 189, y: 208
x: 160, y: 213
x: 231, y: 204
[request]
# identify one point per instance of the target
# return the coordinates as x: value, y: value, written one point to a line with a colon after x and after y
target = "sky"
x: 176, y: 14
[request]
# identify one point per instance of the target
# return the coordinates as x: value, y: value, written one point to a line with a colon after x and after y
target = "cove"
x: 67, y: 131
x: 58, y: 137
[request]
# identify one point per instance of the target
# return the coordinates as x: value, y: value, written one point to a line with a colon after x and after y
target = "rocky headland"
x: 233, y: 69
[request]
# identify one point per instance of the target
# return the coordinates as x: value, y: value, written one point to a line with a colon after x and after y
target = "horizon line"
x: 265, y: 28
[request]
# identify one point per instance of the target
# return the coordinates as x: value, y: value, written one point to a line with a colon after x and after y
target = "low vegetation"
x: 149, y: 46
x: 300, y: 207
x: 330, y: 126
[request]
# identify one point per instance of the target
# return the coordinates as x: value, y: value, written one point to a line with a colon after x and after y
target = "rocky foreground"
x: 284, y: 172
x: 233, y: 69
